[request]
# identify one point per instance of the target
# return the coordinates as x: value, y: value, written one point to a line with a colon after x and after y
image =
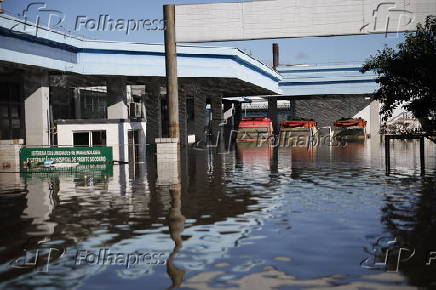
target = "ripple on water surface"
x: 253, y: 218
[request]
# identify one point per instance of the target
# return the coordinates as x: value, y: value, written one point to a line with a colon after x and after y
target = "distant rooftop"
x: 324, y: 79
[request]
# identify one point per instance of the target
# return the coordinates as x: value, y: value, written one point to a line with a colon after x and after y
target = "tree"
x: 407, y: 76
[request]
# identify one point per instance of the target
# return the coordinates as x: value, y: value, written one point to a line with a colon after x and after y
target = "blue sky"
x: 314, y: 50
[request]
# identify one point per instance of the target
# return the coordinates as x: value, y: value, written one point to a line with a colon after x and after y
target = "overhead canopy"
x: 297, y: 18
x: 212, y: 70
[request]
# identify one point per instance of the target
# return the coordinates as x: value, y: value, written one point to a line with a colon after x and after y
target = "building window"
x: 93, y: 104
x: 98, y: 138
x: 81, y: 139
x: 89, y: 138
x: 62, y: 102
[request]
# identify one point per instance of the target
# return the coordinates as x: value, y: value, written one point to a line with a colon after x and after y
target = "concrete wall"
x: 36, y: 107
x: 326, y: 110
x: 10, y: 154
x: 116, y: 135
x: 153, y: 112
x: 10, y: 162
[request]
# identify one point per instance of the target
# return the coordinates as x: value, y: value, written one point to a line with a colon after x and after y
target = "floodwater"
x: 250, y: 218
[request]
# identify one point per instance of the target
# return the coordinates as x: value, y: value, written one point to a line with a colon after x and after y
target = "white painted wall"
x: 36, y: 105
x: 366, y: 114
x: 116, y: 135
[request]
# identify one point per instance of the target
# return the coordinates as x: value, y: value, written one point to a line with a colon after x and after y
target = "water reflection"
x: 176, y: 222
x: 246, y: 209
x: 411, y: 219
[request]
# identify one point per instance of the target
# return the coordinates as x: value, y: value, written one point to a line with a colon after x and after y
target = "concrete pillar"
x: 272, y: 113
x: 292, y: 109
x: 227, y: 127
x: 168, y: 161
x: 374, y: 122
x: 36, y: 107
x: 227, y: 106
x: 217, y: 116
x: 117, y: 107
x: 200, y: 117
x: 77, y: 108
x: 153, y: 114
x: 238, y: 115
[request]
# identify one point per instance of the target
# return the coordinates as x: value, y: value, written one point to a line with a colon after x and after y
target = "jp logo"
x: 38, y: 259
x: 388, y: 18
x: 387, y: 254
x: 37, y: 14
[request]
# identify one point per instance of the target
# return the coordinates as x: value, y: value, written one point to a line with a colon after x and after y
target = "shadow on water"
x: 242, y: 209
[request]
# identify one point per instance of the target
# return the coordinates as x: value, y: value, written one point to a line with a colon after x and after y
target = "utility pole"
x: 276, y: 59
x: 272, y: 102
x: 171, y: 71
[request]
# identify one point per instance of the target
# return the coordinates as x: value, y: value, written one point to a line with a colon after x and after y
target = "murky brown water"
x: 253, y: 218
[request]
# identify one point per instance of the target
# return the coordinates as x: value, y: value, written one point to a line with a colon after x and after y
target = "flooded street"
x: 251, y: 218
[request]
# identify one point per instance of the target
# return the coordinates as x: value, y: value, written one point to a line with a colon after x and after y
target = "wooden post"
x: 171, y: 71
x: 422, y: 155
x: 387, y: 154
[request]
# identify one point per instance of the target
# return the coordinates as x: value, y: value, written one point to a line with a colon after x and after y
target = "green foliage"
x: 407, y: 75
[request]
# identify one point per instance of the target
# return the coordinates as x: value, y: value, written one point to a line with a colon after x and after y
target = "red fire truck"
x: 254, y: 129
x: 303, y: 124
x: 350, y: 123
x: 349, y: 128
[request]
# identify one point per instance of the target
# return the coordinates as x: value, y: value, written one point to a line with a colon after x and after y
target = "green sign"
x: 96, y: 171
x: 81, y: 155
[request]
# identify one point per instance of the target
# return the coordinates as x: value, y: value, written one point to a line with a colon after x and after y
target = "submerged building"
x: 61, y: 90
x: 324, y: 93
